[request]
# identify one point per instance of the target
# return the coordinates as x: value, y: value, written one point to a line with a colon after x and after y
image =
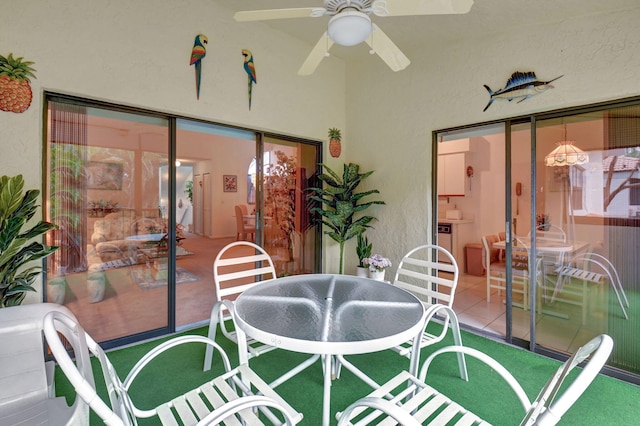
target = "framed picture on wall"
x: 102, y: 175
x: 230, y: 183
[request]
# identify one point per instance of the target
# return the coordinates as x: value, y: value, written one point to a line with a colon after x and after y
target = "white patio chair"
x: 231, y: 397
x: 27, y: 391
x: 434, y: 283
x: 409, y: 401
x: 587, y: 268
x: 497, y: 271
x: 238, y: 266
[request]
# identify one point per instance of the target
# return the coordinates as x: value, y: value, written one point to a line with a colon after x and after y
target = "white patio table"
x: 329, y: 316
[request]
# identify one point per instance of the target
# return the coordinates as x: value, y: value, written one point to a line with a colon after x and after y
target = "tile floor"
x: 563, y: 334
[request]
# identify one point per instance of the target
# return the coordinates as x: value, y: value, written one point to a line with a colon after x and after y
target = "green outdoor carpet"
x: 606, y: 402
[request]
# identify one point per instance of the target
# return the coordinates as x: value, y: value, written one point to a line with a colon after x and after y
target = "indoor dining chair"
x: 238, y: 266
x: 409, y: 401
x: 434, y: 282
x: 237, y: 396
x: 497, y: 271
x: 550, y: 234
x: 243, y: 230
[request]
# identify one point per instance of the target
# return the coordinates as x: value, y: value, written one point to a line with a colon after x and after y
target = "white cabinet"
x: 452, y: 171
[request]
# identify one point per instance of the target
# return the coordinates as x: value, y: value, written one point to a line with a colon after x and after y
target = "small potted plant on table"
x: 363, y: 250
x: 377, y: 265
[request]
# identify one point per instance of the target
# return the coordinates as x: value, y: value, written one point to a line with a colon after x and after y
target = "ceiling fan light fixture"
x: 349, y: 28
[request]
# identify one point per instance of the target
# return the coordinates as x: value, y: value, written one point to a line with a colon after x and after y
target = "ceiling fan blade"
x: 264, y: 15
x: 427, y: 7
x: 317, y: 54
x: 382, y: 45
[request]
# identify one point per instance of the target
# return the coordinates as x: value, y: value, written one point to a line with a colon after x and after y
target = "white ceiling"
x: 410, y: 32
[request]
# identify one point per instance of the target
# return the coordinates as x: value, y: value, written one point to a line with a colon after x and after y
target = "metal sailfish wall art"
x: 521, y: 85
x: 197, y: 53
x: 250, y: 68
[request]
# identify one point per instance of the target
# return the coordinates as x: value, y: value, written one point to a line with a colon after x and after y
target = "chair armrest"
x: 439, y: 308
x: 240, y: 404
x: 153, y: 353
x: 387, y: 407
x: 432, y: 310
x: 499, y: 368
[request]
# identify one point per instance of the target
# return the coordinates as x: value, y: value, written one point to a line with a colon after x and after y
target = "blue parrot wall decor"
x: 250, y: 68
x: 197, y: 54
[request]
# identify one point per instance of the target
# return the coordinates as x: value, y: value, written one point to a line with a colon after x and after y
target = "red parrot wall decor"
x: 15, y: 87
x: 250, y: 69
x: 197, y: 54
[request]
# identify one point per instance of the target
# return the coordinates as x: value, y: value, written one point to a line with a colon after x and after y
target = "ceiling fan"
x: 350, y: 24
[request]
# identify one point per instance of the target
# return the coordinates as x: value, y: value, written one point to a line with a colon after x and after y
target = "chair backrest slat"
x: 422, y: 272
x: 250, y: 265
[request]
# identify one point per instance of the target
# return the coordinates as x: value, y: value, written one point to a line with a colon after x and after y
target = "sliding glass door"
x: 211, y: 167
x: 588, y: 172
x: 144, y: 202
x: 482, y: 202
x: 565, y: 269
x: 103, y: 191
x: 289, y: 235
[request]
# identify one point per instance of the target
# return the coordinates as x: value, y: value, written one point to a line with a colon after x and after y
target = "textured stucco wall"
x: 391, y: 116
x: 137, y: 53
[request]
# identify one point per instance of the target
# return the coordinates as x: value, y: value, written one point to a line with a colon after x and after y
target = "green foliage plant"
x: 188, y: 190
x: 16, y: 250
x: 340, y: 205
x: 363, y: 249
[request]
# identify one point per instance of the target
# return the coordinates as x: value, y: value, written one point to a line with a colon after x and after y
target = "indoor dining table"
x: 544, y: 246
x: 557, y: 250
x: 329, y: 316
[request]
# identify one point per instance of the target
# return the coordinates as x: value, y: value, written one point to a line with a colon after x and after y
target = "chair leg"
x: 216, y: 312
x: 457, y: 338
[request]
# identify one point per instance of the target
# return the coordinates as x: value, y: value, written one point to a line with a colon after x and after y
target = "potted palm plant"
x: 16, y: 250
x: 342, y: 204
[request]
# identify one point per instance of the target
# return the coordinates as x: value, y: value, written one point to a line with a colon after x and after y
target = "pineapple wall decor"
x: 335, y: 147
x: 15, y: 87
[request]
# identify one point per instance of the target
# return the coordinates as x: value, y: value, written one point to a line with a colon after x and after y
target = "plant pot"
x: 361, y: 271
x: 377, y: 275
x: 56, y: 289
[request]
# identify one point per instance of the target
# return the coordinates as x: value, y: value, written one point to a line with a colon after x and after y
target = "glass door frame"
x: 533, y: 120
x: 171, y: 151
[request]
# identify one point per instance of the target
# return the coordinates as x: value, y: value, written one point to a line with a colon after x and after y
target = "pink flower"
x: 376, y: 263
